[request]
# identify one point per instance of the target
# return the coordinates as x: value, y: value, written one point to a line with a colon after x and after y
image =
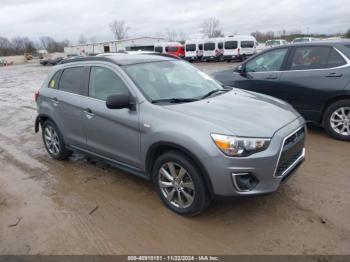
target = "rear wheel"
x: 179, y: 184
x: 54, y: 142
x: 337, y: 120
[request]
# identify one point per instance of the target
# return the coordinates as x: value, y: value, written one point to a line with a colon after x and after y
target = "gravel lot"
x: 79, y: 207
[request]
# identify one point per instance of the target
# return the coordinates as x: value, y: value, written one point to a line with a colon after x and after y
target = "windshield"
x: 231, y: 45
x: 171, y: 79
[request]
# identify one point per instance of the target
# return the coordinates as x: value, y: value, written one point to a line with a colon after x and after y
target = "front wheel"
x: 337, y: 120
x: 179, y: 184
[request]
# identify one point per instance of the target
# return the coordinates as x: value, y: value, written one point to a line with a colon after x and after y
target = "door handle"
x: 88, y: 113
x: 271, y: 77
x: 334, y: 74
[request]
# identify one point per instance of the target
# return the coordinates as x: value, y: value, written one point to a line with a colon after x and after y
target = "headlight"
x: 240, y: 146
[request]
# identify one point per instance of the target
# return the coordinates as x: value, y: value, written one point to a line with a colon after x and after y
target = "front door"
x: 111, y: 133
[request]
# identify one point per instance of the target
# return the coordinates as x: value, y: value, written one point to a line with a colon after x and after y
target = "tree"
x: 171, y: 35
x: 51, y: 45
x: 82, y: 40
x: 347, y: 35
x: 119, y: 29
x: 5, y: 47
x: 211, y: 27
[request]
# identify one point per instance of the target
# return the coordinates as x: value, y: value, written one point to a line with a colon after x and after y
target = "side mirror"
x: 240, y: 69
x: 118, y: 101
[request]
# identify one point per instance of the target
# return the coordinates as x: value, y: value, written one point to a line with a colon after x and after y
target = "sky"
x: 68, y: 19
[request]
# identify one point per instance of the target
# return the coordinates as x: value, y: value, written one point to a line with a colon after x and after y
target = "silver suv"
x: 162, y: 119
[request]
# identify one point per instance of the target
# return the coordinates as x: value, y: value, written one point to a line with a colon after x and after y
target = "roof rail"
x: 89, y: 58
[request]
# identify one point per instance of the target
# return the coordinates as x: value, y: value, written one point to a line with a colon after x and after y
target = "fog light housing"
x: 244, y: 181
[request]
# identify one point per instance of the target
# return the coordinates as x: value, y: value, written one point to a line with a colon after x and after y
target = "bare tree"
x: 5, y: 47
x: 171, y: 35
x: 347, y: 34
x: 211, y: 27
x: 119, y: 29
x: 51, y: 45
x: 82, y: 40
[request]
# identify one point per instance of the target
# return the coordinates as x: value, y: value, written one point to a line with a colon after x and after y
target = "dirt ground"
x: 79, y: 207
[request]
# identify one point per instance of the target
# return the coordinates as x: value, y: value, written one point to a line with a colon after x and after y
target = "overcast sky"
x: 67, y: 19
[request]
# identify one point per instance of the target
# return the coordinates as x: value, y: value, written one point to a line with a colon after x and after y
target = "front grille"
x: 292, y: 149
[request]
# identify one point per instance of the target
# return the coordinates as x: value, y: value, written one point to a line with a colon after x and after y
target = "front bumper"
x: 266, y: 166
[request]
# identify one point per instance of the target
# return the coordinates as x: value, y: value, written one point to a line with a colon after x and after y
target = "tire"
x: 56, y: 148
x: 188, y: 187
x: 336, y: 120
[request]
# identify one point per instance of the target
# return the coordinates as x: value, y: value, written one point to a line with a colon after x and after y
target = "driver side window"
x: 270, y: 61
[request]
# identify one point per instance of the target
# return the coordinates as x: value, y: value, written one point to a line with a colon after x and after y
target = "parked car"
x: 312, y: 77
x: 275, y: 42
x: 303, y: 40
x: 164, y: 120
x: 239, y: 47
x: 50, y: 61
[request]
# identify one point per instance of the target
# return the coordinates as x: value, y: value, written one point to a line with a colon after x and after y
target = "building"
x: 133, y: 44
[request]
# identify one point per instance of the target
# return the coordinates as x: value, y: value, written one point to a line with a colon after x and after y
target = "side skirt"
x: 119, y: 165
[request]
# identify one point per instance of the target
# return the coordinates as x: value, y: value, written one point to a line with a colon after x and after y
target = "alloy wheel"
x: 51, y: 140
x: 340, y: 121
x: 176, y: 185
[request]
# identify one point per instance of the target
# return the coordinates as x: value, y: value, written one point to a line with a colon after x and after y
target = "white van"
x: 275, y: 42
x: 193, y: 50
x: 213, y: 49
x: 239, y: 47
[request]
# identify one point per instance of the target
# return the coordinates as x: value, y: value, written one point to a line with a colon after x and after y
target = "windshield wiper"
x: 216, y: 91
x: 174, y: 100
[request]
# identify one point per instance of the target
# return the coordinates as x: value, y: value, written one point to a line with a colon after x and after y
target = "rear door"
x: 262, y: 73
x: 111, y: 133
x: 68, y: 101
x: 314, y: 74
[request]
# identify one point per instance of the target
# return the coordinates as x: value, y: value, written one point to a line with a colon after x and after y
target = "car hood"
x: 242, y: 113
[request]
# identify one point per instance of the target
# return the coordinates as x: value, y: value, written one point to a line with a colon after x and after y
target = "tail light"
x: 36, y: 95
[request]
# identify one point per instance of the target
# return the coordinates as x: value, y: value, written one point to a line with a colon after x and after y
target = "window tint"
x: 269, y: 61
x: 220, y: 45
x: 190, y: 47
x: 335, y: 59
x: 310, y: 57
x: 54, y: 80
x: 104, y: 82
x: 200, y: 46
x: 209, y: 46
x: 71, y: 80
x: 247, y: 44
x: 231, y: 45
x: 158, y: 49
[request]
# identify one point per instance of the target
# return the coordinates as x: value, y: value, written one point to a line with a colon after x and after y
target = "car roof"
x: 322, y: 43
x: 124, y: 59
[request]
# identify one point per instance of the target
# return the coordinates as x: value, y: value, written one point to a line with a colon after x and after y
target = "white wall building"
x: 133, y: 44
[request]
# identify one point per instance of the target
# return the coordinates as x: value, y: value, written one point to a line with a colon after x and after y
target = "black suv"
x: 314, y: 77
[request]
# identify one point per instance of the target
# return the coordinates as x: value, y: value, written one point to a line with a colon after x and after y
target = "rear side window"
x: 71, y: 80
x: 172, y: 49
x: 209, y: 46
x: 247, y: 44
x: 310, y: 57
x: 335, y: 59
x: 220, y: 45
x: 54, y: 80
x: 231, y: 45
x: 104, y: 82
x: 158, y: 49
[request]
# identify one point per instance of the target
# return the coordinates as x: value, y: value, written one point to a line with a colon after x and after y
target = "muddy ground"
x: 78, y: 207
